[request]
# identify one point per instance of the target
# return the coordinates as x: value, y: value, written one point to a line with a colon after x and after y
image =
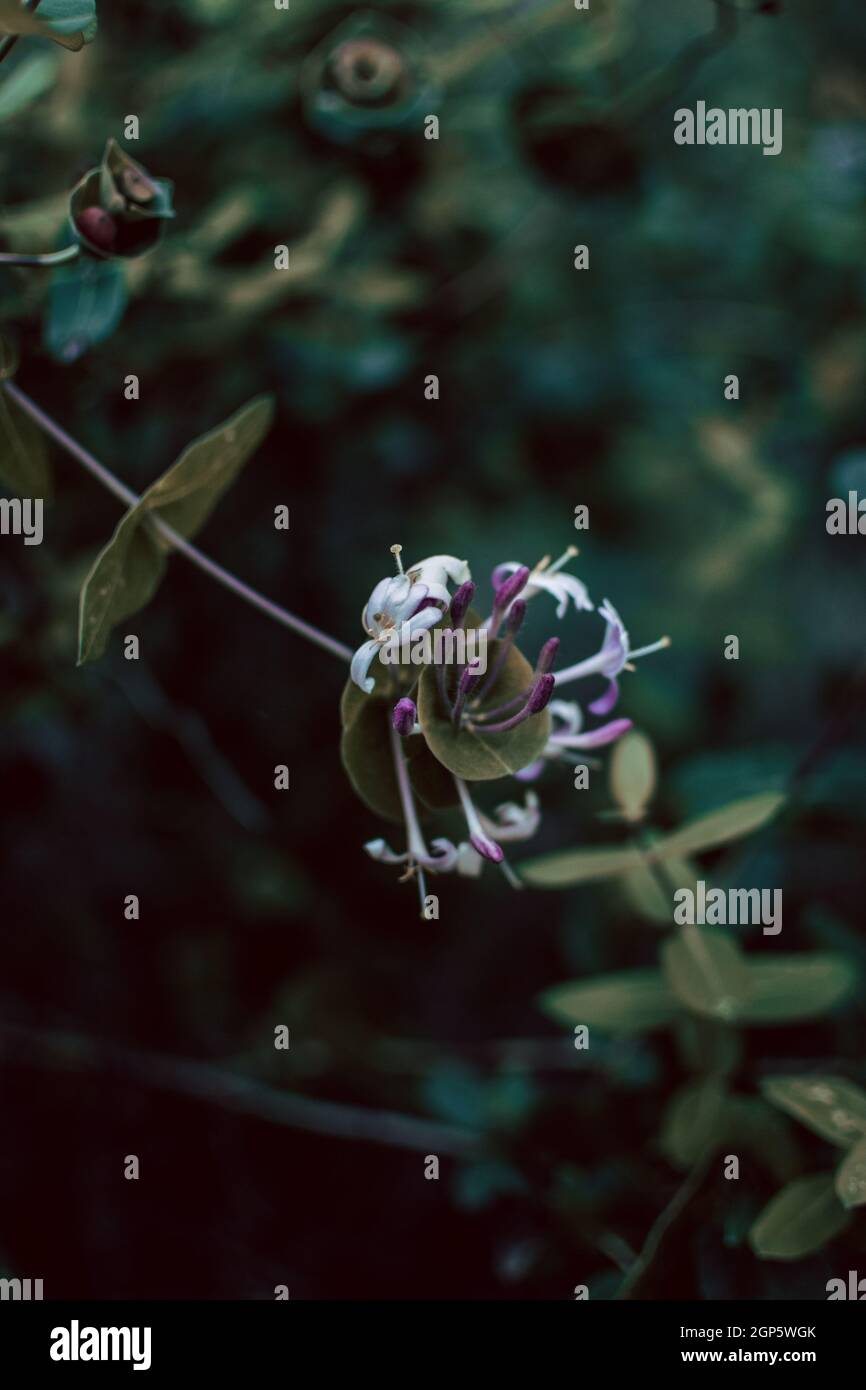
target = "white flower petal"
x: 440, y: 569
x: 378, y: 849
x: 469, y: 861
x: 361, y: 663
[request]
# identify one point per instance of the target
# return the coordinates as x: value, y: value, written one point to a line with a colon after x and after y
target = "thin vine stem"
x: 48, y: 258
x: 175, y: 540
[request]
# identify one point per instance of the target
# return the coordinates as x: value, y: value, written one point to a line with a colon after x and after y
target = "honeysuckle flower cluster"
x: 453, y: 726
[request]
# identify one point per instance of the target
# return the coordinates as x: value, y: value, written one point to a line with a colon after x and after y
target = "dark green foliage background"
x: 558, y: 388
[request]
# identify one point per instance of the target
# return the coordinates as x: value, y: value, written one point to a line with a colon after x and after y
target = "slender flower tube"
x: 416, y: 857
x: 481, y: 842
x: 614, y: 656
x: 539, y: 695
x: 513, y: 622
x: 568, y: 735
x: 468, y: 680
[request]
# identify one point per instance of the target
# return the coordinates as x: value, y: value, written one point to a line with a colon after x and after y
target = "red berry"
x: 98, y: 226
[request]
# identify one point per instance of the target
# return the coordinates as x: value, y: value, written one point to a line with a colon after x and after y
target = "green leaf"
x: 707, y: 972
x: 371, y: 768
x: 85, y: 305
x: 567, y: 867
x: 633, y: 774
x: 71, y: 23
x: 790, y: 987
x: 799, y: 1219
x: 432, y: 783
x: 365, y: 749
x: 630, y: 1001
x: 128, y: 571
x: 720, y: 827
x: 651, y: 898
x: 833, y: 1108
x: 27, y: 81
x: 851, y: 1177
x: 23, y: 449
x: 479, y: 757
x: 185, y: 496
x: 124, y: 578
x: 694, y: 1121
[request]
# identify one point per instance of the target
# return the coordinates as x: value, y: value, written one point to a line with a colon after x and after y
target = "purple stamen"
x: 505, y: 595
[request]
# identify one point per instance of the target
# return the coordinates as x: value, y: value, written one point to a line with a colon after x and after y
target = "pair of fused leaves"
x: 128, y: 571
x: 70, y: 23
x: 367, y: 752
x: 438, y: 754
x: 706, y: 973
x: 807, y: 1213
x: 568, y: 867
x: 23, y: 452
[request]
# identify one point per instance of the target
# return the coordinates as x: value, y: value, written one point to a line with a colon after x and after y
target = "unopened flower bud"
x: 547, y: 656
x: 516, y: 614
x: 511, y: 588
x: 469, y: 678
x: 487, y: 848
x: 541, y: 693
x: 461, y: 601
x: 404, y: 716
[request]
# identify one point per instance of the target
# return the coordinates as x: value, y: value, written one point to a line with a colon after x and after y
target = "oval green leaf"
x: 632, y: 774
x: 85, y: 304
x: 629, y: 1001
x: 33, y: 76
x: 707, y: 973
x: 23, y: 451
x: 475, y: 756
x: 128, y: 571
x: 851, y: 1177
x: 789, y: 987
x: 365, y: 749
x: 570, y: 866
x: 694, y: 1121
x: 799, y: 1219
x: 71, y: 23
x: 833, y: 1108
x: 720, y: 827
